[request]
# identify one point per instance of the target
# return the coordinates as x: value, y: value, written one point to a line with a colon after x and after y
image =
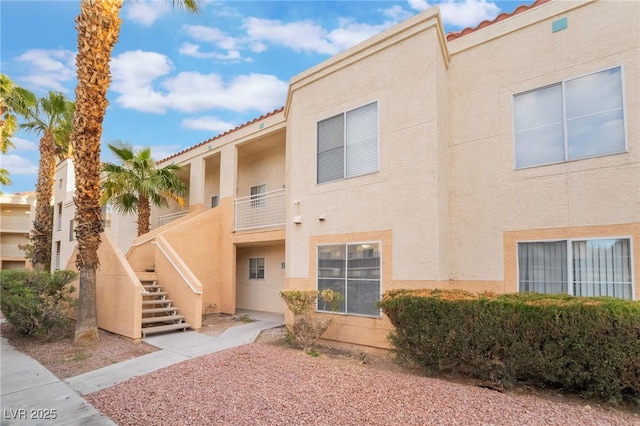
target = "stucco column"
x: 196, y: 184
x: 229, y: 171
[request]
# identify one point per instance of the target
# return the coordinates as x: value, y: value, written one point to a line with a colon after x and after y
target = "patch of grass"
x: 81, y: 356
x: 313, y: 352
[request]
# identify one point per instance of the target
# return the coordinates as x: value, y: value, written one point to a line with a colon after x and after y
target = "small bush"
x: 305, y: 329
x: 34, y: 302
x: 587, y: 345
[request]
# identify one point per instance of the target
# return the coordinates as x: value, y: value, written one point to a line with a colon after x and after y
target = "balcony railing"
x: 259, y: 211
x: 167, y: 218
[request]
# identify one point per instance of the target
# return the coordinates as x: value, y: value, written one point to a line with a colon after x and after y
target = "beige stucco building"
x: 17, y: 212
x: 501, y: 158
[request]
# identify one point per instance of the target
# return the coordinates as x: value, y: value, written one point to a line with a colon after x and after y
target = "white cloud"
x: 207, y: 123
x: 17, y: 165
x: 48, y: 69
x: 191, y: 91
x: 308, y: 36
x: 146, y: 13
x: 468, y: 13
x: 200, y: 33
x: 301, y: 36
x: 133, y: 75
x: 397, y: 13
x: 465, y: 13
x: 137, y: 79
x: 24, y: 145
x: 351, y: 33
x: 190, y: 49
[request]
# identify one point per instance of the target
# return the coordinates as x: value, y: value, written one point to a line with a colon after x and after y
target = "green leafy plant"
x: 307, y: 329
x: 35, y: 302
x: 246, y: 318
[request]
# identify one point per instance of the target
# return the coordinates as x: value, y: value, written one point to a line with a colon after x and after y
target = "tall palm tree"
x: 50, y: 118
x: 14, y: 100
x: 98, y: 27
x: 135, y: 183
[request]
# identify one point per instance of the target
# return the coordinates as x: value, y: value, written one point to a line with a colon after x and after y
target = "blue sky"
x: 180, y: 78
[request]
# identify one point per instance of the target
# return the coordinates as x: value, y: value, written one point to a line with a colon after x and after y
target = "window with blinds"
x: 348, y: 144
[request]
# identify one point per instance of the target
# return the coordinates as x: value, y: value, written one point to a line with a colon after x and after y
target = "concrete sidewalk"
x: 30, y: 392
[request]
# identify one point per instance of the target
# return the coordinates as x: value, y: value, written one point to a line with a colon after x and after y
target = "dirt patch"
x: 64, y: 360
x: 59, y: 356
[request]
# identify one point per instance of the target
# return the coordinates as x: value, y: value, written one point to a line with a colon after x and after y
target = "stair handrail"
x: 171, y: 255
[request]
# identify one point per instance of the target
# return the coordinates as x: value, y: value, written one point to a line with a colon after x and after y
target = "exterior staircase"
x: 158, y: 314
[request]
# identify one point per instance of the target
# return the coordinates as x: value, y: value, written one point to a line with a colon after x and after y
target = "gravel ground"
x: 262, y: 384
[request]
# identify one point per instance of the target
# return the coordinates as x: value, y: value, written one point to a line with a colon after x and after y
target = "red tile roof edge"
x: 262, y: 117
x: 500, y: 17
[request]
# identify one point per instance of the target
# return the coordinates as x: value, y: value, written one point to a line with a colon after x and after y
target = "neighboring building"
x: 502, y: 158
x: 18, y: 213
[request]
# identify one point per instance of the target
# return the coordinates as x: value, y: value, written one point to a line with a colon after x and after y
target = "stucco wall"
x: 262, y: 163
x: 401, y: 70
x: 118, y: 291
x: 487, y: 196
x: 260, y: 294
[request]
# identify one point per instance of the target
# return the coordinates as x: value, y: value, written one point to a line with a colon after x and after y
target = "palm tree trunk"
x: 144, y: 214
x: 98, y: 27
x: 43, y: 224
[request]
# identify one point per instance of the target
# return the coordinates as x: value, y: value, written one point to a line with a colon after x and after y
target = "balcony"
x: 259, y: 211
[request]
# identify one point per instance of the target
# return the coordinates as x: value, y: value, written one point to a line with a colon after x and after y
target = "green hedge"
x: 587, y: 345
x: 36, y: 302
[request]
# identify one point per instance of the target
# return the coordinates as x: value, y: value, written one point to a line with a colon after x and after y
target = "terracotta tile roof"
x: 262, y: 117
x: 501, y: 17
x: 450, y: 37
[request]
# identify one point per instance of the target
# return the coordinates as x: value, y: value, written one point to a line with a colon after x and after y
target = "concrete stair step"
x: 151, y: 286
x: 155, y: 293
x: 158, y: 310
x: 166, y: 318
x: 156, y: 302
x: 164, y: 328
x: 146, y: 276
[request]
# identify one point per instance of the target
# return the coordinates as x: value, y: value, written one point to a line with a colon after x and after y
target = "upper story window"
x: 573, y: 119
x: 348, y: 144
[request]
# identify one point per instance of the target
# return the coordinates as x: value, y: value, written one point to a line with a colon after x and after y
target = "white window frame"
x: 345, y: 175
x: 256, y: 270
x: 562, y: 83
x: 570, y: 259
x: 346, y: 278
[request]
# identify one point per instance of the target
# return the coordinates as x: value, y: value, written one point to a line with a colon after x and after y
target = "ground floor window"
x: 354, y: 271
x: 581, y: 267
x: 256, y: 268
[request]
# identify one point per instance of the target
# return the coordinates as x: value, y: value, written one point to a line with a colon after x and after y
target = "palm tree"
x: 14, y: 100
x: 132, y: 185
x: 49, y: 117
x: 98, y: 27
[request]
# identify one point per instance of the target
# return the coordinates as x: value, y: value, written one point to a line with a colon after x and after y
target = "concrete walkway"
x: 28, y: 390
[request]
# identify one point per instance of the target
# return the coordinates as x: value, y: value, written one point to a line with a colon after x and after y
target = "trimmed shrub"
x: 35, y: 302
x: 305, y: 329
x: 587, y: 345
